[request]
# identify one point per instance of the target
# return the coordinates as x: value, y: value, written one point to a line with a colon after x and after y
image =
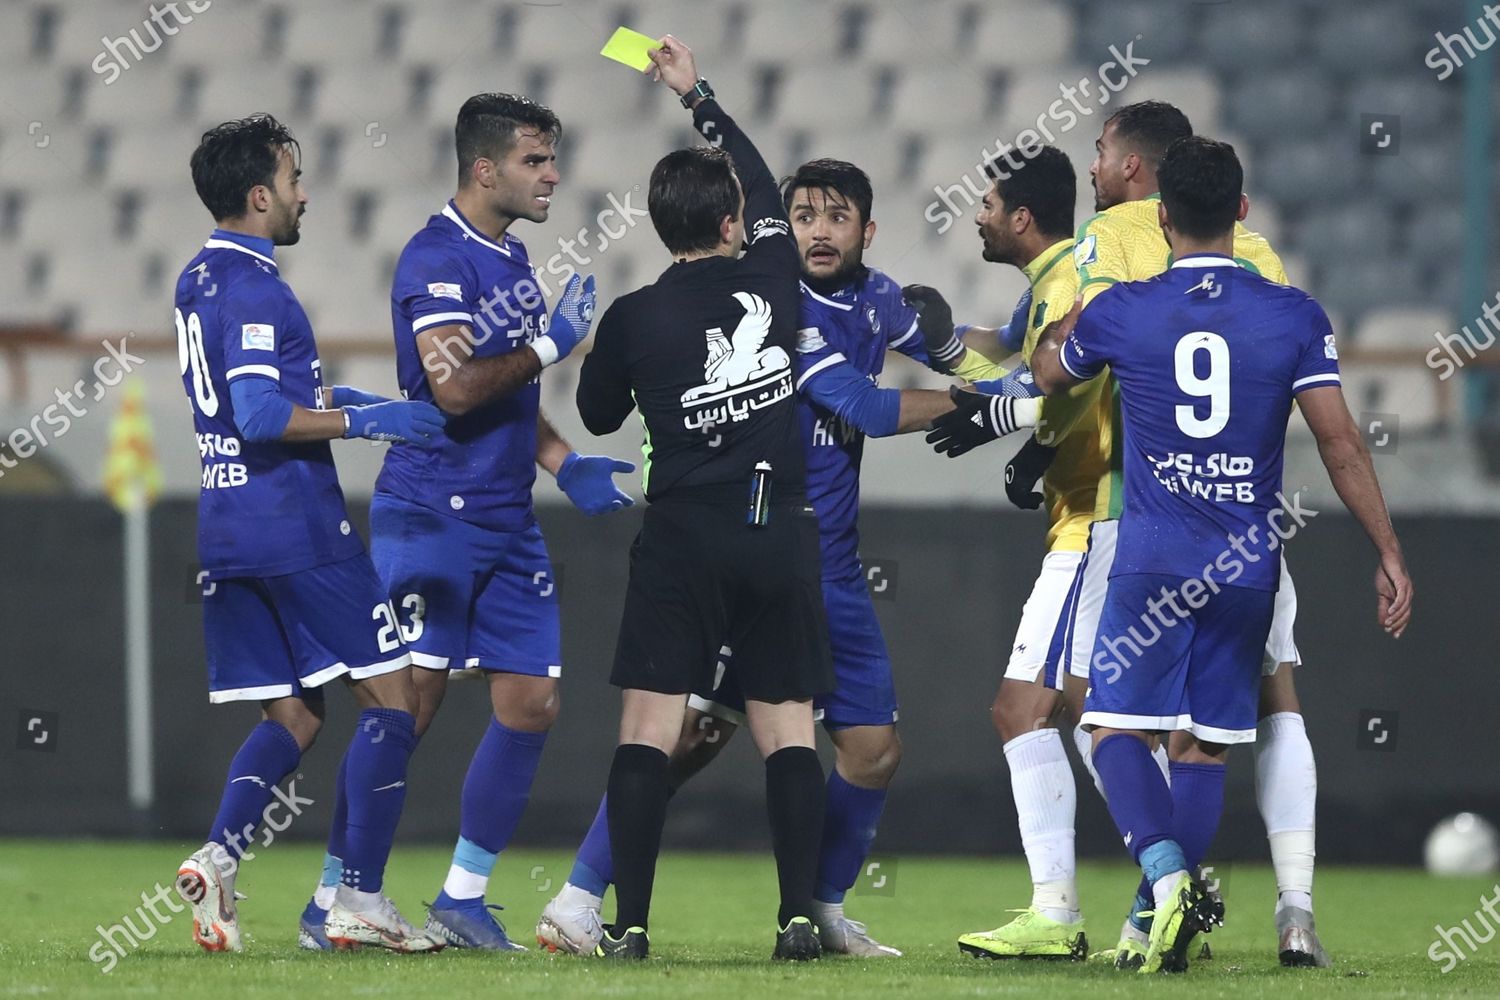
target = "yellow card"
x: 629, y: 47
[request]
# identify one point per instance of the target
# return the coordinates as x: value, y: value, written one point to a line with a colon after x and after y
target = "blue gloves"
x: 1013, y: 334
x: 588, y: 481
x: 1019, y: 383
x: 570, y: 321
x: 411, y: 421
x: 347, y: 395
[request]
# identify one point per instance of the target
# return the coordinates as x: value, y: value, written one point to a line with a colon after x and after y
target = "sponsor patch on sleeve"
x: 257, y: 337
x: 810, y: 340
x: 1330, y: 349
x: 446, y: 290
x: 1087, y: 251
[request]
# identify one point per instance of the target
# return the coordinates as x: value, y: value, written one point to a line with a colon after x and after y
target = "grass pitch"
x: 712, y: 933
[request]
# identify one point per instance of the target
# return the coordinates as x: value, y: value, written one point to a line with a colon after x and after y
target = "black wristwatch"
x: 701, y: 89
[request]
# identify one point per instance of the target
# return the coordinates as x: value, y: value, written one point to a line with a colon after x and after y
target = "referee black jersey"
x: 706, y: 353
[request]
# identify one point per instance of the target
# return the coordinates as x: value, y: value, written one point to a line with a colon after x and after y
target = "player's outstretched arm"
x: 461, y: 382
x: 262, y: 413
x: 1353, y: 474
x: 1047, y: 368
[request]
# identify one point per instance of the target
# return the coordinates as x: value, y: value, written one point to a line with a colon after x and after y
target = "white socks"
x: 1286, y: 790
x: 1042, y: 781
x: 324, y: 895
x: 464, y: 884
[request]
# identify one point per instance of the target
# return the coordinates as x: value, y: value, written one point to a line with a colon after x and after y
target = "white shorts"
x: 1060, y: 618
x: 1281, y: 644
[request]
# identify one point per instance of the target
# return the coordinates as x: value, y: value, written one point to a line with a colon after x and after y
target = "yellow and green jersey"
x: 1125, y: 243
x: 1073, y: 477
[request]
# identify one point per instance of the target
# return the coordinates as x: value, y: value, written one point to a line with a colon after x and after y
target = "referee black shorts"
x: 701, y: 578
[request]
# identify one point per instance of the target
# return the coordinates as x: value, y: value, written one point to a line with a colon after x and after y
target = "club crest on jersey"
x: 874, y: 319
x: 445, y: 290
x: 257, y: 337
x: 1330, y: 349
x: 739, y: 374
x: 1087, y: 251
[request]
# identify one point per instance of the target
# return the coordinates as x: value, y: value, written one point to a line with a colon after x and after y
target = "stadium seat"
x: 19, y: 35
x: 804, y: 96
x: 223, y: 33
x: 233, y: 90
x: 952, y: 98
x: 1403, y: 327
x: 141, y: 156
x: 1427, y: 108
x: 1120, y: 22
x: 140, y: 100
x: 414, y: 154
x: 1195, y: 91
x: 345, y: 291
x: 882, y: 160
x: 1368, y: 38
x: 800, y: 35
x: 1417, y: 174
x: 1434, y: 228
x: 357, y: 34
x: 1251, y: 39
x: 563, y: 35
x: 1032, y: 33
x: 1358, y: 285
x: 705, y: 27
x: 1410, y: 391
x: 46, y: 93
x: 1348, y: 231
x: 1286, y: 104
x: 362, y: 92
x: 916, y: 34
x: 440, y: 33
x: 1297, y: 173
x: 604, y: 92
x: 457, y: 81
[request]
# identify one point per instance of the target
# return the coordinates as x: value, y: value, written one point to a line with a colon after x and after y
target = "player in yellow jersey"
x: 1123, y: 242
x: 1026, y: 221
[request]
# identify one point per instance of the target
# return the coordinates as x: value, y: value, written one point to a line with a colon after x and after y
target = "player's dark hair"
x: 691, y: 191
x: 837, y: 179
x: 488, y: 123
x: 1043, y: 181
x: 1149, y: 127
x: 1201, y: 182
x: 236, y: 156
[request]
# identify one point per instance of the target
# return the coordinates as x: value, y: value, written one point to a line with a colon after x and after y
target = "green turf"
x: 712, y: 933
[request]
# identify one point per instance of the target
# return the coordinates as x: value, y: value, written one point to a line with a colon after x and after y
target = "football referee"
x: 728, y: 549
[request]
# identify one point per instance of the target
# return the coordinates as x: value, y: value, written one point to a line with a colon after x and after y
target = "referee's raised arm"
x: 765, y: 216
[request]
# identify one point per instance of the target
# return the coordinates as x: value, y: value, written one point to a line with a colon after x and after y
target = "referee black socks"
x: 637, y: 804
x: 794, y: 800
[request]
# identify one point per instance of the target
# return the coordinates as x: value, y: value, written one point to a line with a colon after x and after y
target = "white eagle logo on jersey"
x: 738, y: 359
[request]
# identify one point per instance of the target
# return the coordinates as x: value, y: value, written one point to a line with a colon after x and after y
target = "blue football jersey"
x: 264, y: 508
x: 856, y: 324
x: 483, y: 464
x: 1208, y: 357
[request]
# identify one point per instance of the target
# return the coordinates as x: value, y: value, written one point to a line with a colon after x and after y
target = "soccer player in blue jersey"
x: 1208, y: 358
x: 850, y: 316
x: 454, y: 535
x: 293, y: 601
